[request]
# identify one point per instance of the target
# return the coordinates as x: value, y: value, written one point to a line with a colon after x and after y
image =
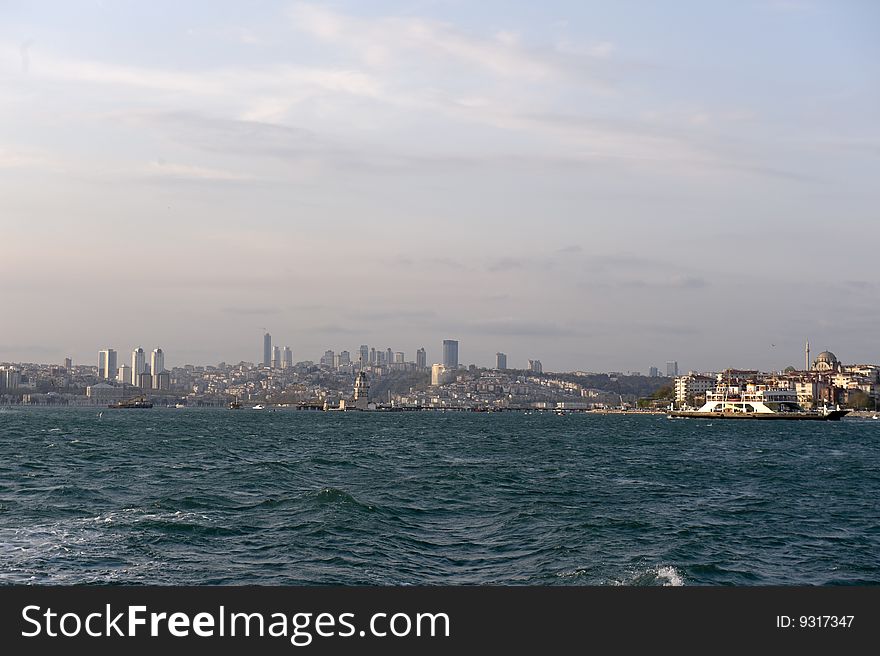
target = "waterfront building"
x: 267, y: 350
x: 138, y: 365
x: 671, y: 368
x: 287, y: 358
x: 421, y: 359
x: 501, y: 361
x: 536, y: 367
x: 104, y: 393
x: 692, y: 385
x: 450, y: 353
x: 107, y: 363
x: 124, y: 374
x: 145, y: 381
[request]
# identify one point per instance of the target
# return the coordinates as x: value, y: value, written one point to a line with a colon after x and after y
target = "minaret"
x: 807, y: 363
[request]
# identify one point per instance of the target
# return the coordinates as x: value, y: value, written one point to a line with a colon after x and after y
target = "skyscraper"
x: 68, y: 364
x: 501, y: 361
x: 364, y: 355
x: 399, y: 357
x: 536, y: 367
x: 287, y: 358
x: 107, y: 364
x: 267, y: 350
x: 157, y: 362
x: 344, y: 358
x: 421, y: 359
x: 450, y: 353
x: 372, y: 356
x: 389, y: 356
x: 653, y: 372
x: 671, y: 368
x: 138, y: 365
x: 276, y: 357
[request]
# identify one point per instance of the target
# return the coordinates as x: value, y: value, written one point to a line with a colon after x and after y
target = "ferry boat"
x: 137, y: 402
x: 756, y: 402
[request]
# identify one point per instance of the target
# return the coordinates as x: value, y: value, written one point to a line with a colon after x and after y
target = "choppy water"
x: 244, y: 497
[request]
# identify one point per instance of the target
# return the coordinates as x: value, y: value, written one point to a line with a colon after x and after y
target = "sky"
x: 601, y: 186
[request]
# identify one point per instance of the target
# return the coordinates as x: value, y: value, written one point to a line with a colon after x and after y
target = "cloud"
x: 521, y: 328
x: 166, y: 170
x: 390, y: 41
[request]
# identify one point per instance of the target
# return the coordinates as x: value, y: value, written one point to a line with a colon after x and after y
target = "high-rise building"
x: 68, y: 364
x: 671, y: 368
x: 380, y: 358
x: 124, y: 374
x: 138, y: 365
x: 276, y: 357
x: 389, y: 356
x: 328, y: 358
x: 145, y: 381
x: 267, y: 350
x: 653, y: 372
x: 536, y: 367
x: 10, y: 378
x: 372, y: 356
x: 364, y: 355
x: 421, y: 359
x: 157, y: 361
x: 450, y: 353
x: 287, y: 358
x: 501, y: 360
x: 107, y: 364
x: 399, y: 357
x: 344, y: 358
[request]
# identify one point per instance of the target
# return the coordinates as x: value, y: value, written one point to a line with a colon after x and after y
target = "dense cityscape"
x: 383, y: 379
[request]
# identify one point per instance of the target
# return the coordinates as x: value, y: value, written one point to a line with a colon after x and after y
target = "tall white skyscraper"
x: 107, y: 364
x: 138, y: 365
x: 157, y: 361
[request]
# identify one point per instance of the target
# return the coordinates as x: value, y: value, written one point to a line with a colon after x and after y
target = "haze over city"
x: 601, y: 186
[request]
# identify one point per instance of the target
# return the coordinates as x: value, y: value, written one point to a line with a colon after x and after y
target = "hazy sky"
x: 599, y: 185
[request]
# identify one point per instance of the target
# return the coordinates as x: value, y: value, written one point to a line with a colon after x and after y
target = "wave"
x: 663, y: 575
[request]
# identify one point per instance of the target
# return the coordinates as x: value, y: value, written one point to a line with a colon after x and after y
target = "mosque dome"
x: 825, y: 361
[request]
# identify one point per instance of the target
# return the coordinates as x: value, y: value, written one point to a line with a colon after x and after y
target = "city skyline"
x: 601, y: 186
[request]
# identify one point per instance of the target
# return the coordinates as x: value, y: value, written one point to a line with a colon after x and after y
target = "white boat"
x: 752, y: 401
x: 259, y: 407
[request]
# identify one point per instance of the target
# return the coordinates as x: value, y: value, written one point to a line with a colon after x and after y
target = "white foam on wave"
x: 670, y: 575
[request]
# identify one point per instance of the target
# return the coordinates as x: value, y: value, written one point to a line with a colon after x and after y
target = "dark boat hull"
x: 833, y: 415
